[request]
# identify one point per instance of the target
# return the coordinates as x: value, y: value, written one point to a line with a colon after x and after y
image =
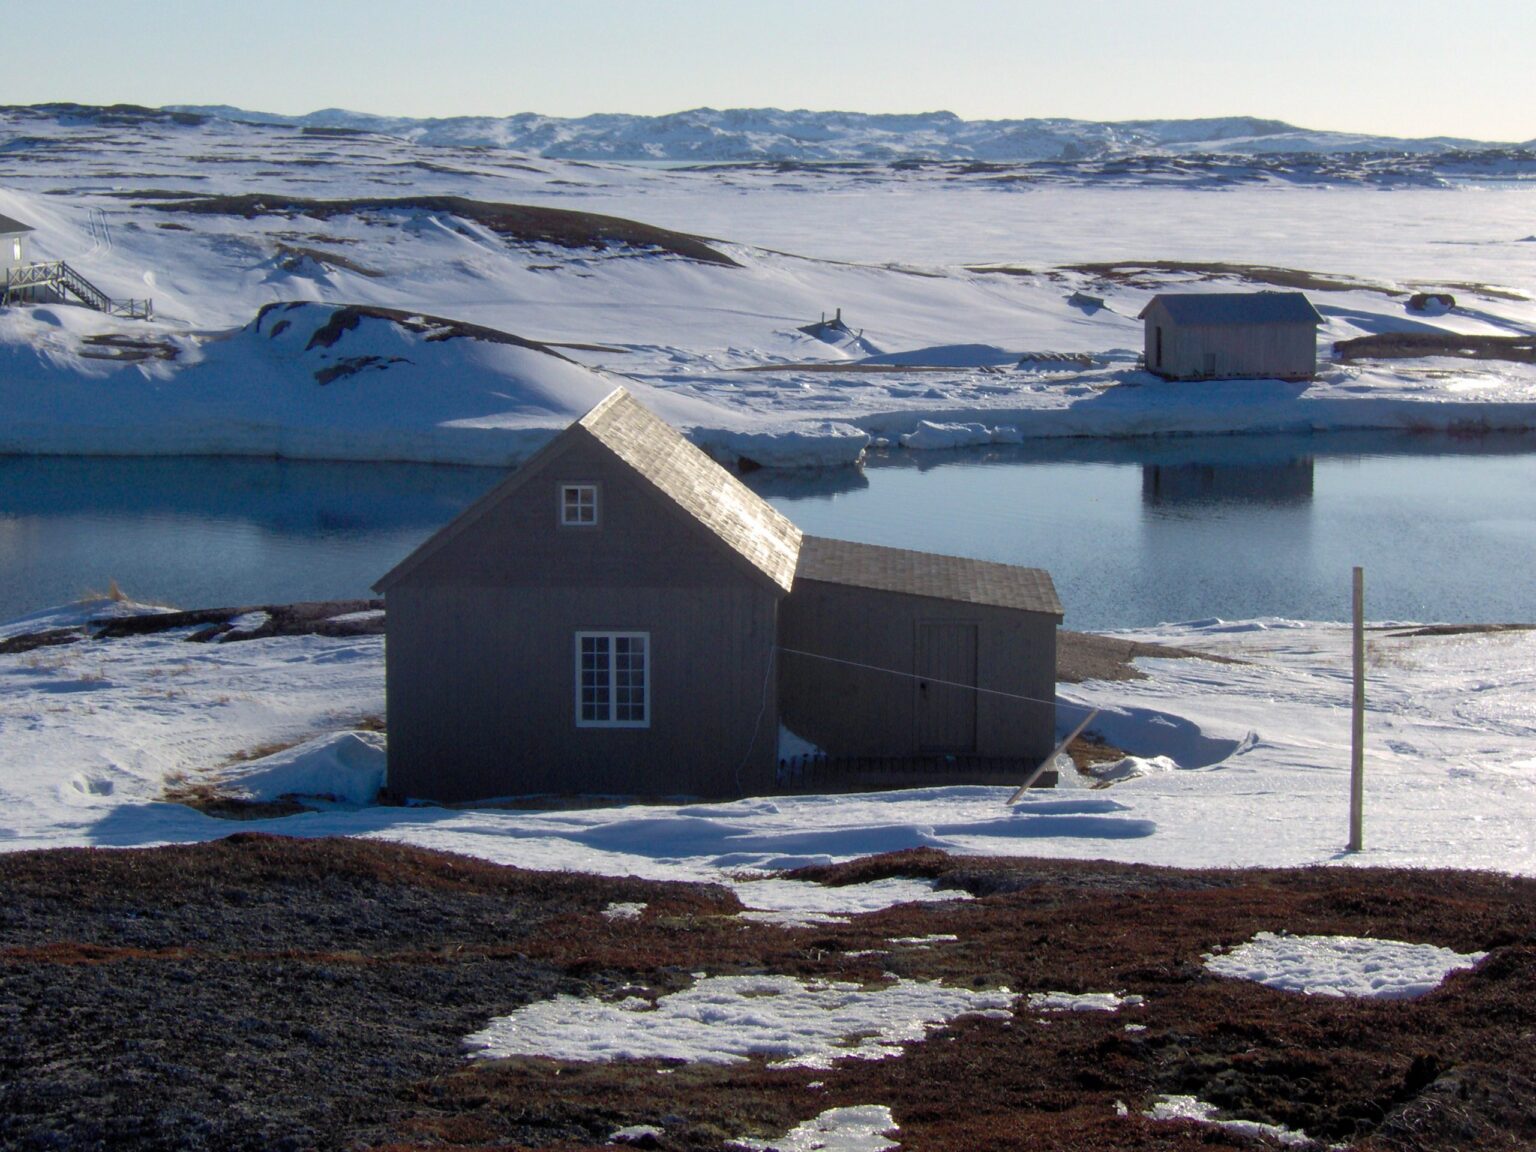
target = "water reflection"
x: 283, y: 496
x: 807, y: 483
x: 209, y: 531
x: 1169, y: 485
x: 1136, y: 532
x: 1133, y: 532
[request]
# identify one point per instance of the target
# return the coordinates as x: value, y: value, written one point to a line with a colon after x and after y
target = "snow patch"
x: 1342, y: 965
x: 1191, y: 1108
x: 624, y: 911
x: 930, y: 436
x: 827, y: 444
x: 796, y: 903
x: 1084, y: 1001
x: 727, y: 1019
x: 343, y: 768
x: 860, y: 1128
x: 636, y: 1133
x: 1131, y: 768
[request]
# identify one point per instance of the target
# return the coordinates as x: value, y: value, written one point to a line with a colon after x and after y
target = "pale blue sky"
x: 1397, y: 67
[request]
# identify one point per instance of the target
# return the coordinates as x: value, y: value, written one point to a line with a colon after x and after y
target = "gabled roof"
x: 927, y: 574
x: 699, y: 488
x: 1235, y: 308
x: 743, y: 520
x: 8, y: 226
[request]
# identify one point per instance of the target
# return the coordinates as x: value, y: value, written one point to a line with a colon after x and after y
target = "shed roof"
x: 927, y: 574
x: 8, y: 226
x: 1235, y: 308
x: 743, y: 520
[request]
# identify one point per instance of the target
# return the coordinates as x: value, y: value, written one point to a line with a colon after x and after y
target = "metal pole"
x: 1357, y: 728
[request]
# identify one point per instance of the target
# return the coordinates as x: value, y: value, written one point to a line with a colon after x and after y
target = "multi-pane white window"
x: 578, y: 505
x: 613, y: 686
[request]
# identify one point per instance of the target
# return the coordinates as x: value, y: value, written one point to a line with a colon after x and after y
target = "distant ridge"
x: 705, y: 135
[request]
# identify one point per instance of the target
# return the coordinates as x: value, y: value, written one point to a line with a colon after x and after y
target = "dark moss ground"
x: 261, y: 992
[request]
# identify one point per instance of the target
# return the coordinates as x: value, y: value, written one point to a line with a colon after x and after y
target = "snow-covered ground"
x: 945, y: 278
x: 953, y: 269
x: 1236, y: 764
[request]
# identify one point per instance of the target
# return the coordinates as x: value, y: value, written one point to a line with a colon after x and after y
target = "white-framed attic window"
x: 578, y: 505
x: 613, y: 680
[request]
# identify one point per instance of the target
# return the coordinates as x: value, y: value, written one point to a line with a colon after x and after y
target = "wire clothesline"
x: 935, y: 680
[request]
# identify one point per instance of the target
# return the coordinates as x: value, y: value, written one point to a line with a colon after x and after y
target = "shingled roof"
x: 739, y: 518
x: 1235, y: 308
x: 756, y: 531
x: 743, y: 520
x: 8, y: 226
x: 927, y: 574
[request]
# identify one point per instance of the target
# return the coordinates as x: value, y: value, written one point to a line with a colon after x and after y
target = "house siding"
x: 1286, y: 351
x: 858, y: 712
x: 481, y: 693
x: 481, y: 649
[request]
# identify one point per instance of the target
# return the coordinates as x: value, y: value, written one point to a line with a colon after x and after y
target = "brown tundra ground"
x: 269, y: 993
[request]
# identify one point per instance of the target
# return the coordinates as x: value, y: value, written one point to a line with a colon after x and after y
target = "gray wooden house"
x: 1231, y: 335
x: 618, y: 617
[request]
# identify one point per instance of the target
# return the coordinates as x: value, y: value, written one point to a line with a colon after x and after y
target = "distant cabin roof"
x: 743, y: 520
x: 1235, y: 308
x: 8, y: 226
x: 927, y: 574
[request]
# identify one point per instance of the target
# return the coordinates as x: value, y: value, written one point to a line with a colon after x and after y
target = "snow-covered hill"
x: 961, y: 288
x: 778, y: 134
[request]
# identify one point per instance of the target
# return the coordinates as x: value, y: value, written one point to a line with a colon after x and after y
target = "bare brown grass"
x: 521, y: 223
x: 384, y: 950
x: 1150, y: 273
x: 1412, y: 345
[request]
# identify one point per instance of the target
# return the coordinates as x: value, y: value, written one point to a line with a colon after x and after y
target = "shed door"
x: 946, y: 715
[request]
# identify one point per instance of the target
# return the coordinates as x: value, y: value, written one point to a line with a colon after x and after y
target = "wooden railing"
x: 56, y: 274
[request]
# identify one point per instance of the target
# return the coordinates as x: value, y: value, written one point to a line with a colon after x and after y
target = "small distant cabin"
x: 13, y: 242
x: 623, y: 615
x: 1231, y: 335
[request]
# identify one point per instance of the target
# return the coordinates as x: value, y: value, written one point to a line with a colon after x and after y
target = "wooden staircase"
x: 23, y: 282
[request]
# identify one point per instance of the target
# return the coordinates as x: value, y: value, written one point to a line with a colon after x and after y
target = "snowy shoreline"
x: 219, y: 414
x: 95, y: 733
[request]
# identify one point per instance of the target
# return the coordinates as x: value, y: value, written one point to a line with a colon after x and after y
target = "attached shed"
x: 622, y: 615
x: 13, y: 236
x: 1231, y: 335
x: 889, y: 653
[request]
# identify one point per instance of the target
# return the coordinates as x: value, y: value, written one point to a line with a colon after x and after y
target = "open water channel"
x: 1135, y: 532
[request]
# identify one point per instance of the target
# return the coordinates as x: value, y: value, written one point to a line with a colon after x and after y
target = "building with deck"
x: 622, y: 615
x: 13, y: 241
x: 54, y: 281
x: 1231, y: 335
